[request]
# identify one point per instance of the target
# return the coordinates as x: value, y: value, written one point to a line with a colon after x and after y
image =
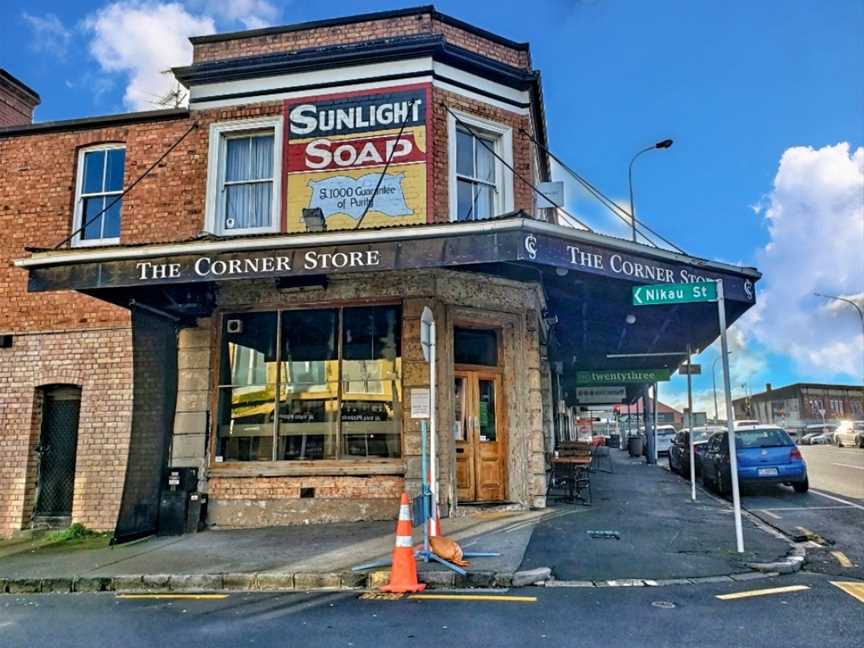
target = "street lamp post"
x: 847, y: 301
x: 714, y: 379
x: 663, y: 144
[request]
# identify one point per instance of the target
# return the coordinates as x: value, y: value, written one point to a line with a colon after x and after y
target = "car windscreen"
x: 700, y: 435
x: 665, y: 432
x: 762, y: 438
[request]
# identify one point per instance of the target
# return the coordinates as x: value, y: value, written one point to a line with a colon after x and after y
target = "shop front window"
x: 247, y: 388
x: 337, y: 389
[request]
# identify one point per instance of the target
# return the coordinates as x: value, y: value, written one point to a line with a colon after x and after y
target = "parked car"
x: 664, y: 436
x: 817, y: 434
x: 679, y: 451
x: 849, y: 433
x: 765, y: 454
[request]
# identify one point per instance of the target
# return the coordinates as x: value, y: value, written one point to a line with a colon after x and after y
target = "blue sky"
x: 765, y: 102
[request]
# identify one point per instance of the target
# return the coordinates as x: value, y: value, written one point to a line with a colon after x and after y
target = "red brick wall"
x: 523, y: 149
x: 358, y: 33
x: 98, y: 361
x: 16, y: 108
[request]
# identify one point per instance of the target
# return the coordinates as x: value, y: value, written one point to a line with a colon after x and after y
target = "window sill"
x: 331, y: 468
x: 78, y: 242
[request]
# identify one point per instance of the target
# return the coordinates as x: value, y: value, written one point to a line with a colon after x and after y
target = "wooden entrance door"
x: 479, y: 436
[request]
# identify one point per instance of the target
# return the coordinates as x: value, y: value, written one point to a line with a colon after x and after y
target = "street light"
x: 714, y: 378
x: 847, y: 301
x: 662, y: 144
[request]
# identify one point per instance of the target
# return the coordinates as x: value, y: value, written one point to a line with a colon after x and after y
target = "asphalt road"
x: 830, y: 515
x: 822, y: 615
x: 838, y: 471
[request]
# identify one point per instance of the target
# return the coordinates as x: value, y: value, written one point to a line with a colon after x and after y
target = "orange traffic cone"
x: 403, y: 576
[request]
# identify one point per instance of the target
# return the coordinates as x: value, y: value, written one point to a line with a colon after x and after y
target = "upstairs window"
x: 99, y: 184
x: 481, y: 184
x: 243, y: 183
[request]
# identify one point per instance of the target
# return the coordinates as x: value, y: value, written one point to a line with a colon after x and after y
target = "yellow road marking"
x: 842, y: 559
x: 853, y: 589
x: 473, y: 597
x: 762, y: 592
x: 188, y: 597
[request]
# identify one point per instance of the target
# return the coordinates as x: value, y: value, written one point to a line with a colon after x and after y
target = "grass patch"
x: 74, y: 534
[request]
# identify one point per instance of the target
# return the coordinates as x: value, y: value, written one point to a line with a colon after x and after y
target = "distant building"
x: 666, y: 415
x: 802, y: 404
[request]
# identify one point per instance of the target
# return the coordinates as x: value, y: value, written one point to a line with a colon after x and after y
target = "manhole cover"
x: 666, y: 605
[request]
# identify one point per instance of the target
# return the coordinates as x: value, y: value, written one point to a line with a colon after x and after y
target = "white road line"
x: 837, y: 499
x: 803, y: 508
x: 848, y: 466
x: 768, y: 512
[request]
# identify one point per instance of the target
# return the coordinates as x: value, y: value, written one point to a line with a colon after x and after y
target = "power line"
x: 512, y: 170
x: 610, y: 204
x: 386, y: 164
x: 129, y: 188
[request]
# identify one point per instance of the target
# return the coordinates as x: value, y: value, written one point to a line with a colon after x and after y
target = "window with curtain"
x: 243, y: 184
x: 97, y: 202
x: 247, y: 189
x: 476, y: 176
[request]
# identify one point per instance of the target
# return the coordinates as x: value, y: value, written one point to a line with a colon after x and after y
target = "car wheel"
x: 838, y: 442
x: 802, y: 486
x: 861, y: 442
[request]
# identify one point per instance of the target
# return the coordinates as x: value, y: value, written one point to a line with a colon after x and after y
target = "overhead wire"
x: 512, y: 170
x: 127, y: 189
x: 610, y: 204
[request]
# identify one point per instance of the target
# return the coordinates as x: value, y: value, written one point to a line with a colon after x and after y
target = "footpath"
x: 662, y: 539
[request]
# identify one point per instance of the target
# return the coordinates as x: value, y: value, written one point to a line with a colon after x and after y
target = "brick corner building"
x: 232, y: 292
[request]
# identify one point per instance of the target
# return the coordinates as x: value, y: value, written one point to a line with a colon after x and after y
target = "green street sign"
x: 622, y: 376
x: 683, y: 293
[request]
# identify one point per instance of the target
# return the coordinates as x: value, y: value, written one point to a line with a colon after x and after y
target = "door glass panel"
x: 486, y: 410
x: 247, y: 394
x: 460, y: 413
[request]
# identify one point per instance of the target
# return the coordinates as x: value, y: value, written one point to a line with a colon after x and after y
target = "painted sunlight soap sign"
x: 337, y: 148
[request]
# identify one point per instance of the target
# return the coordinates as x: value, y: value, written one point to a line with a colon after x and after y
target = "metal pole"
x: 730, y: 420
x: 424, y: 482
x: 654, y: 424
x: 846, y: 301
x: 433, y: 427
x: 714, y: 379
x: 690, y: 429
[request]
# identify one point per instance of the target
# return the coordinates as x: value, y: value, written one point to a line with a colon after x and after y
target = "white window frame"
x: 219, y: 134
x: 503, y: 136
x: 78, y: 239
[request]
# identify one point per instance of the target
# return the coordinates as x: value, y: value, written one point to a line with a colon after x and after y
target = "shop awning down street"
x: 587, y: 279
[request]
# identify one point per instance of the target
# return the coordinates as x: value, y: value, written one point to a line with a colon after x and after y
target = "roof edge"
x: 20, y: 85
x: 357, y: 18
x: 94, y: 122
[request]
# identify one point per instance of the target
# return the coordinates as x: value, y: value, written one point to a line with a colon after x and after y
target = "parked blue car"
x: 766, y: 455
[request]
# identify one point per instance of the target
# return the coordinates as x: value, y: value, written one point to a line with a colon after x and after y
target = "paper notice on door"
x: 420, y: 403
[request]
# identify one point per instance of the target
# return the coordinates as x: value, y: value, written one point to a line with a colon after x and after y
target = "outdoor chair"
x: 598, y: 455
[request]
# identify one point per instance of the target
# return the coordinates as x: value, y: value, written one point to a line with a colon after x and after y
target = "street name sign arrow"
x: 684, y: 293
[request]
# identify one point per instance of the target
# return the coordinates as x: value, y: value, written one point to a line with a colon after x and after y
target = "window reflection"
x: 328, y: 407
x: 248, y: 391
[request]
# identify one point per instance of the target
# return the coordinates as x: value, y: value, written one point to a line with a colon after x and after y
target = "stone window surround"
x: 78, y: 209
x: 503, y: 136
x: 216, y: 156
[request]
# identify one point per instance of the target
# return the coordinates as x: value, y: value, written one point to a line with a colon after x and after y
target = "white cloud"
x: 815, y: 219
x: 50, y: 35
x: 252, y: 14
x: 142, y: 40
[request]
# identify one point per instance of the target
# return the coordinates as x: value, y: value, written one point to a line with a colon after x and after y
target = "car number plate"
x: 767, y: 472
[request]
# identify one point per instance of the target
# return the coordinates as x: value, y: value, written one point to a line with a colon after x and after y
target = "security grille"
x: 57, y: 448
